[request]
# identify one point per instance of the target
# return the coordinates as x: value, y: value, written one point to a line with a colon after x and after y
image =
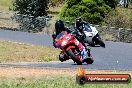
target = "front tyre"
x: 73, y: 57
x: 61, y: 58
x: 101, y: 43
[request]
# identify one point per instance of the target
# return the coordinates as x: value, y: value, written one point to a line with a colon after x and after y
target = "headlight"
x: 64, y: 43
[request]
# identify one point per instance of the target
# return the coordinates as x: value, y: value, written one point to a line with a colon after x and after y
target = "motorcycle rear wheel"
x: 73, y: 57
x: 89, y: 61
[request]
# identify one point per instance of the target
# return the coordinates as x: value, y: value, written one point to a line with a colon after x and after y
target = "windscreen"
x: 60, y: 35
x: 87, y: 28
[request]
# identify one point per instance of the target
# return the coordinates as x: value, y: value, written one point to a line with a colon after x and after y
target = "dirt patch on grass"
x: 38, y: 73
x: 33, y: 73
x: 6, y: 22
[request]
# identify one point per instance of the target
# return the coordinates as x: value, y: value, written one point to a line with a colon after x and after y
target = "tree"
x: 31, y: 7
x: 92, y: 11
x: 71, y: 3
x: 31, y: 14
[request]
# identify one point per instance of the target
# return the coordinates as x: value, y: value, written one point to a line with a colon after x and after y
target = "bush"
x: 32, y: 14
x: 92, y: 11
x: 31, y: 7
x: 111, y: 3
x: 70, y: 3
x: 120, y: 17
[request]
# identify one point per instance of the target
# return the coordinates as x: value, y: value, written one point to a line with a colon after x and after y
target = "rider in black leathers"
x: 79, y: 25
x: 59, y: 27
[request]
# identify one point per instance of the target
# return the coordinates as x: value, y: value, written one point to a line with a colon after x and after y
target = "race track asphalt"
x: 28, y: 38
x: 116, y: 55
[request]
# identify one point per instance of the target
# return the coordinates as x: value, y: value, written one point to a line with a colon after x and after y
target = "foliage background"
x: 92, y: 11
x: 31, y: 7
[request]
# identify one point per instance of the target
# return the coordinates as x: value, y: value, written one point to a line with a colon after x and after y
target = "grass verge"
x: 14, y: 52
x: 51, y: 78
x: 54, y: 82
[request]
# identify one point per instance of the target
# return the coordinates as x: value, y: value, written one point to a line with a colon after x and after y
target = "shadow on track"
x: 11, y: 29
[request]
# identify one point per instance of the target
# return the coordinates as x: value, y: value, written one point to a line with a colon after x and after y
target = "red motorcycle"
x: 71, y: 48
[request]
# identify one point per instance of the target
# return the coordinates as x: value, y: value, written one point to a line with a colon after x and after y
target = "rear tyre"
x: 73, y: 57
x: 89, y: 61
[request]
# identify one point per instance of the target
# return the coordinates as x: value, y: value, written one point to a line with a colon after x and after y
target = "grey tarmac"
x: 116, y: 55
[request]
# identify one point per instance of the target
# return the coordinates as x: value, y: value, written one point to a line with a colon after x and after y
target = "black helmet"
x: 59, y: 26
x: 78, y: 22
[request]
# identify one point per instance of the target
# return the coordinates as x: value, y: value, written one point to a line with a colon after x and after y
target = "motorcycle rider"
x: 79, y: 26
x: 59, y: 27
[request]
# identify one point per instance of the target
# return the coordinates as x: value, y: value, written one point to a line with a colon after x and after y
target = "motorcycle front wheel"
x: 99, y: 41
x: 73, y: 57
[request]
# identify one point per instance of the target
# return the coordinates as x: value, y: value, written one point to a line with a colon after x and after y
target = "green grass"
x: 54, y: 82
